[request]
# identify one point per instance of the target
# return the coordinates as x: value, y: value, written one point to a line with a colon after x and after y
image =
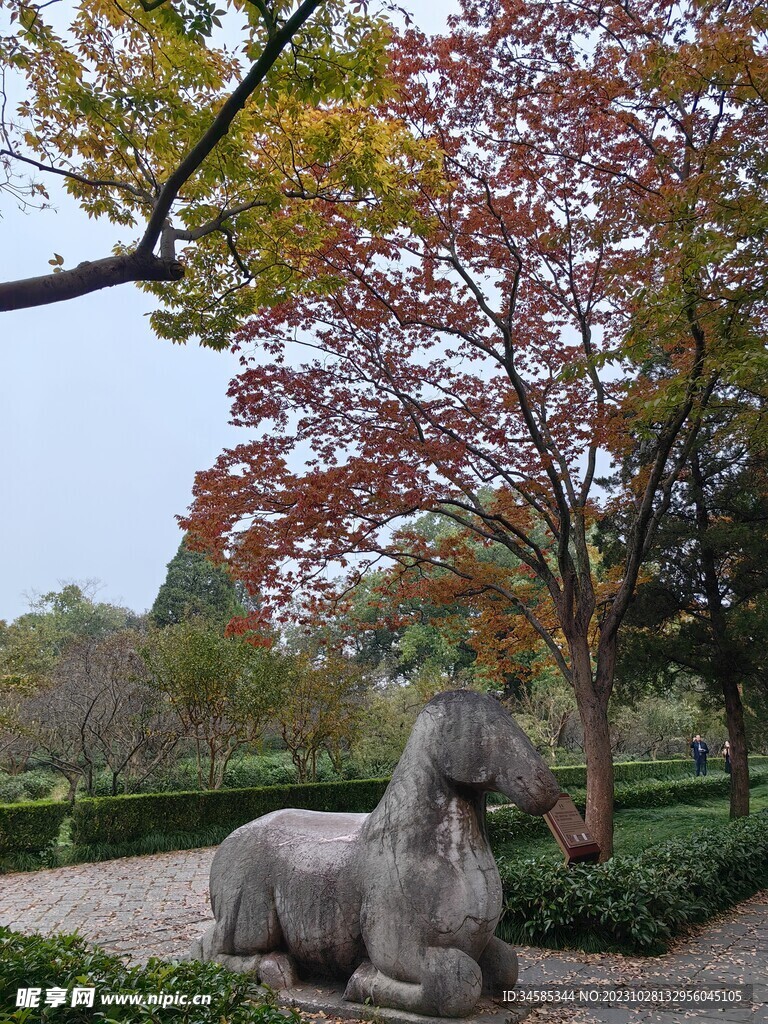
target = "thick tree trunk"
x: 734, y: 710
x: 728, y: 653
x: 73, y: 781
x: 597, y: 746
x: 592, y: 702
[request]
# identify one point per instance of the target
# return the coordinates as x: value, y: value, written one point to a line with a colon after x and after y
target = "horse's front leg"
x: 499, y: 966
x: 449, y: 985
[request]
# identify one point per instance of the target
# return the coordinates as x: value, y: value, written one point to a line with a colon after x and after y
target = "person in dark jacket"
x: 699, y: 749
x: 727, y: 756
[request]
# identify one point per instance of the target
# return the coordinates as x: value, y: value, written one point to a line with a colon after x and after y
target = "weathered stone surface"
x: 328, y: 1001
x: 404, y: 901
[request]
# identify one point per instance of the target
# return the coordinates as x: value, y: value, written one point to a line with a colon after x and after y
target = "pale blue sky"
x: 102, y: 425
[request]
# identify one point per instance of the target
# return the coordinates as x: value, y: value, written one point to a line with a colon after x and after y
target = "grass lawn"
x: 639, y: 828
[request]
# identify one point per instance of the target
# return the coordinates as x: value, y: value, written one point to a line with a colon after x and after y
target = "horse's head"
x: 476, y: 743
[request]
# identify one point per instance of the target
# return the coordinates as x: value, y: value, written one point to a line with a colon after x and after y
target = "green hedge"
x: 121, y: 819
x: 65, y: 961
x: 115, y: 821
x: 508, y: 823
x: 30, y: 827
x: 634, y: 904
x: 670, y: 791
x: 636, y: 771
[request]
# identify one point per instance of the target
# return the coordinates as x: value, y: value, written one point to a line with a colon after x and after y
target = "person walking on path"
x: 700, y: 750
x: 727, y: 757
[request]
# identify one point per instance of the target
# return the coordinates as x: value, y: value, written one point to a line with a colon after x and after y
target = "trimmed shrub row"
x: 30, y: 827
x: 634, y: 904
x: 509, y: 823
x: 124, y: 819
x: 670, y: 791
x: 113, y: 821
x: 636, y: 771
x: 65, y: 961
x: 121, y: 819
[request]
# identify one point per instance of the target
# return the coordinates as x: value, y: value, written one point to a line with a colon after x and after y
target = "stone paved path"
x: 144, y: 906
x: 732, y: 950
x: 136, y: 906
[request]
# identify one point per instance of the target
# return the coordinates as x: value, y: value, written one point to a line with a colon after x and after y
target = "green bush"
x: 244, y: 771
x: 250, y: 771
x: 637, y: 771
x: 124, y: 819
x: 634, y: 904
x: 65, y: 961
x: 38, y: 783
x: 664, y: 792
x: 177, y: 776
x: 30, y: 827
x: 114, y: 826
x: 508, y: 823
x: 11, y: 788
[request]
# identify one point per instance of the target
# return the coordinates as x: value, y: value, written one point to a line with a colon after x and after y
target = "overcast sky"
x: 102, y: 425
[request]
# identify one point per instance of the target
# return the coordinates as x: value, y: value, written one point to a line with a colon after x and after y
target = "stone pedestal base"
x: 327, y: 998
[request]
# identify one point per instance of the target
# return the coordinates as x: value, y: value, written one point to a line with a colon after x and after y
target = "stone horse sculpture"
x: 402, y: 902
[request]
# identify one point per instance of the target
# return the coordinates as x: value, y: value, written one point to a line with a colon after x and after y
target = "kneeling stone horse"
x: 403, y: 902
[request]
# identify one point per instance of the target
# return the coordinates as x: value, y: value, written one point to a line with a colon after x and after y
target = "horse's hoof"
x: 203, y: 948
x: 239, y: 964
x: 360, y: 985
x: 451, y: 984
x: 499, y: 966
x: 278, y: 970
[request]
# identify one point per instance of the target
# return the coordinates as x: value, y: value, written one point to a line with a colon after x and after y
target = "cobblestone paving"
x: 136, y: 906
x: 144, y: 906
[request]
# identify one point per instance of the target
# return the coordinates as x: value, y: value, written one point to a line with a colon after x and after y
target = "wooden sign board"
x: 572, y: 835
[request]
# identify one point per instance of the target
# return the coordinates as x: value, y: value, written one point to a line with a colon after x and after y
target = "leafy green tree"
x: 32, y: 643
x: 223, y: 691
x: 414, y: 618
x: 703, y: 610
x: 387, y: 717
x: 656, y: 725
x: 397, y: 633
x: 216, y: 138
x: 195, y: 589
x: 319, y: 709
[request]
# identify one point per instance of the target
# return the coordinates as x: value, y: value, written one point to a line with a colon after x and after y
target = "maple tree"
x: 592, y: 270
x: 213, y: 132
